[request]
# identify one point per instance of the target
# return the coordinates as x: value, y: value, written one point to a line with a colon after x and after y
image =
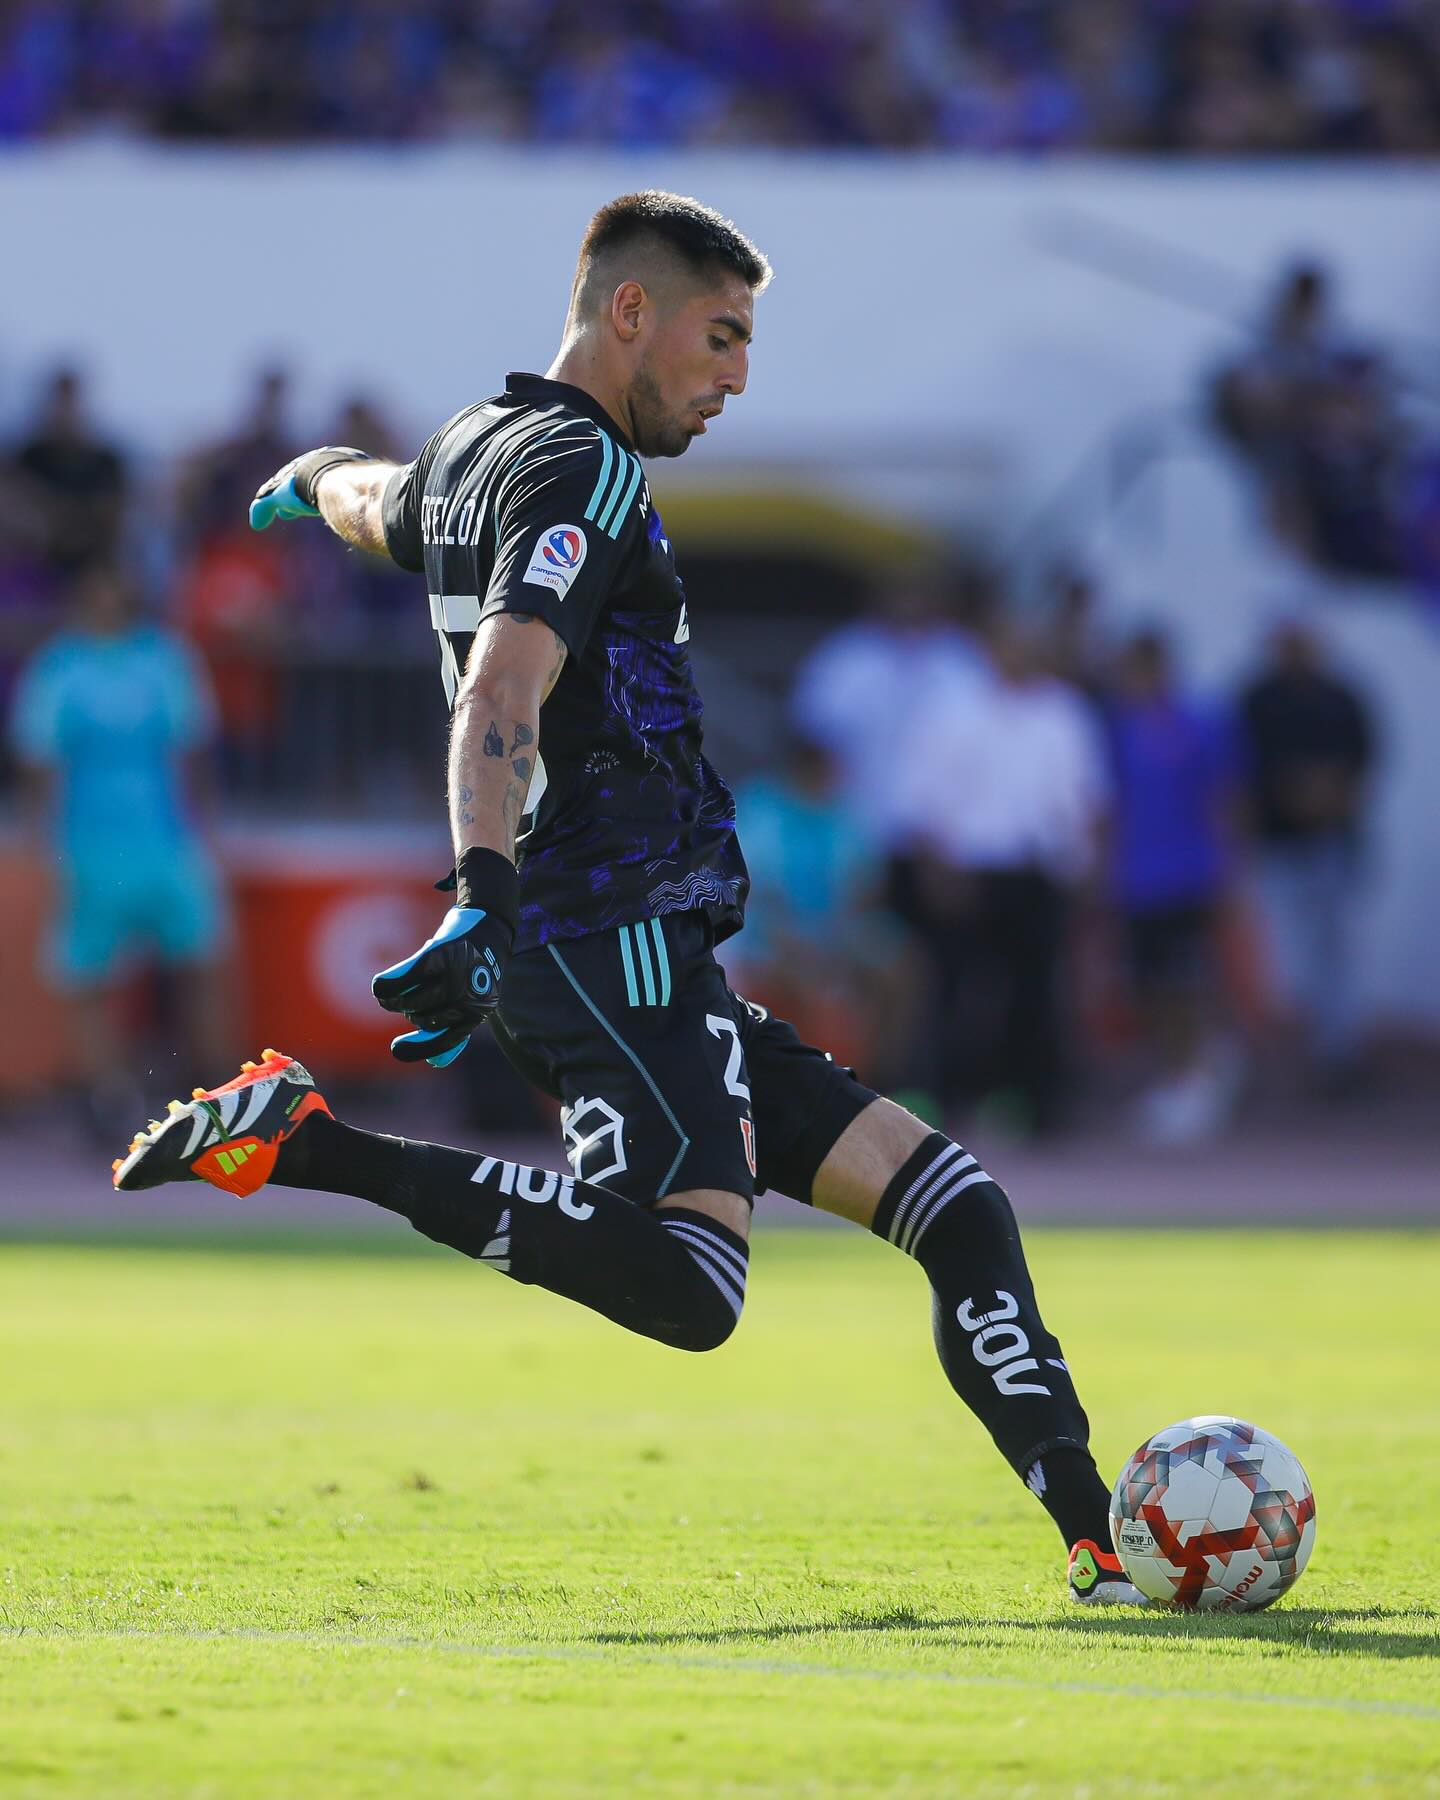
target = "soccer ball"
x: 1213, y: 1515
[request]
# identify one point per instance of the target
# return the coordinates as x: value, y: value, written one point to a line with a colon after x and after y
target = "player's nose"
x: 737, y: 373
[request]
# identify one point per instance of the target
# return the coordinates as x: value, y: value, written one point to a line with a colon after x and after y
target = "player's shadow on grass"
x: 1325, y: 1631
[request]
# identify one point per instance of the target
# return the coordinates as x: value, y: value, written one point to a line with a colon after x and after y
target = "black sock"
x: 675, y: 1275
x: 946, y: 1212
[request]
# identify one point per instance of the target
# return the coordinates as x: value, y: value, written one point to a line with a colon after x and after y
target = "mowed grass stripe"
x: 749, y: 1665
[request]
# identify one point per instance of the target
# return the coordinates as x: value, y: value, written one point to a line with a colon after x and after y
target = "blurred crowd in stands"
x: 1042, y: 846
x: 1350, y: 478
x: 1209, y: 77
x: 1034, y: 851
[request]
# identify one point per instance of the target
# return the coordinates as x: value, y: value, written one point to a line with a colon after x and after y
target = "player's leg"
x: 666, y: 1261
x: 188, y: 924
x: 826, y: 1139
x: 86, y: 967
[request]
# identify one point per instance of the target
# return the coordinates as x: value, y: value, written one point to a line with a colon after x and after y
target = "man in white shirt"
x: 859, y: 689
x: 1001, y: 802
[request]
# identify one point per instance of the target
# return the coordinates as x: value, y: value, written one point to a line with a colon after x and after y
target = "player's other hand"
x: 290, y: 492
x: 453, y: 981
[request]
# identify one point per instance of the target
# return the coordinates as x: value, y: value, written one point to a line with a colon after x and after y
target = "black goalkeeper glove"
x: 290, y: 492
x: 452, y: 982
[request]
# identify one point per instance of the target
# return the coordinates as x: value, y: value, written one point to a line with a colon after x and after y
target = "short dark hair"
x: 695, y: 234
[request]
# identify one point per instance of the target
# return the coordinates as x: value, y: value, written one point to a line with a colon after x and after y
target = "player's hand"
x: 453, y: 981
x: 290, y: 492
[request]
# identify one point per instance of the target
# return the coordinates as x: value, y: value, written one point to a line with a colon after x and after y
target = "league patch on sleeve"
x: 558, y: 557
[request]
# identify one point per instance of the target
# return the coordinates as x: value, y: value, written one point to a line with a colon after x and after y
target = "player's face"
x: 698, y: 355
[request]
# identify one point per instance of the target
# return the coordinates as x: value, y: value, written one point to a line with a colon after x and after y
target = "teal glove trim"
x: 283, y: 503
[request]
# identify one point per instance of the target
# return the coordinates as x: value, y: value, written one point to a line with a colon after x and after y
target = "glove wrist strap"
x: 486, y: 879
x: 313, y: 466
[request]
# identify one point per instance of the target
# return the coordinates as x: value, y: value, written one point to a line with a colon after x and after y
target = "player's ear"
x: 627, y: 306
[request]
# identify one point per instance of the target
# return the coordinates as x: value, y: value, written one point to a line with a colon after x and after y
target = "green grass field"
x: 328, y: 1524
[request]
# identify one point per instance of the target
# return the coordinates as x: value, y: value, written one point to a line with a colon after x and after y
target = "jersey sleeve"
x: 400, y: 508
x: 566, y: 522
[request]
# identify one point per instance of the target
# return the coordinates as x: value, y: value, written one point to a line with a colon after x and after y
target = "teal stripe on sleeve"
x: 605, y: 521
x: 662, y: 960
x: 607, y: 456
x: 617, y: 481
x: 632, y: 992
x: 647, y: 974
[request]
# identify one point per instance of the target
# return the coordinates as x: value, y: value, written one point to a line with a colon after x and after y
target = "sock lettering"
x: 538, y: 1186
x: 1011, y: 1359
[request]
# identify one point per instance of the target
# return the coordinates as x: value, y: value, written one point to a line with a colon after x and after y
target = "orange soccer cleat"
x: 228, y: 1136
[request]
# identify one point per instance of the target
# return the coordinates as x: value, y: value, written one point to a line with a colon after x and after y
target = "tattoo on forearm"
x: 463, y: 799
x: 522, y: 765
x: 494, y: 743
x: 512, y: 807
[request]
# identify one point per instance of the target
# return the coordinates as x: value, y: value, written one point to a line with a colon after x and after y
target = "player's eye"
x: 718, y: 344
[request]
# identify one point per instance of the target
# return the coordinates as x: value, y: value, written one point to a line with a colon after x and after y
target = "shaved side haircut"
x: 656, y: 229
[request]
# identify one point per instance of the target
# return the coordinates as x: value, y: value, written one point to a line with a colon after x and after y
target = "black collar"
x: 540, y: 387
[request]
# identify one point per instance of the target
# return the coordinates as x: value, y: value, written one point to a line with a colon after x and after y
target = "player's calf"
x: 941, y: 1207
x: 676, y: 1275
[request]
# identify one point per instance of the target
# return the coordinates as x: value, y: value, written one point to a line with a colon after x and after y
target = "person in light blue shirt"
x: 107, y: 716
x: 817, y: 942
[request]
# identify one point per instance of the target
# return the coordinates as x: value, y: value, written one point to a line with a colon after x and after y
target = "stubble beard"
x: 657, y: 431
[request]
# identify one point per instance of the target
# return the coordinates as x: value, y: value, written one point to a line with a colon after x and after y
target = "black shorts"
x: 667, y: 1080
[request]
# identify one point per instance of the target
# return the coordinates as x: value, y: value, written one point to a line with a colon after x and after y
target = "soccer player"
x: 596, y: 869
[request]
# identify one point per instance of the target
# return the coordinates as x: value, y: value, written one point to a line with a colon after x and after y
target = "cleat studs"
x: 197, y: 1093
x: 116, y: 1166
x: 173, y: 1106
x: 152, y: 1125
x: 135, y: 1143
x: 270, y: 1056
x: 248, y: 1068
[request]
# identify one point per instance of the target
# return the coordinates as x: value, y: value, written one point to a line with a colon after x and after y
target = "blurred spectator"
x: 858, y: 690
x: 1317, y: 419
x: 1074, y: 646
x: 818, y: 947
x: 1420, y: 525
x: 235, y: 588
x: 1348, y: 453
x: 1258, y: 398
x: 217, y: 483
x: 107, y: 717
x: 1252, y: 77
x: 1003, y: 798
x: 73, y: 480
x: 1176, y: 791
x: 1311, y: 748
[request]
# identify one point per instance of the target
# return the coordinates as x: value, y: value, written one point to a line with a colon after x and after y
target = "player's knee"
x: 942, y: 1201
x: 706, y: 1329
x: 710, y: 1273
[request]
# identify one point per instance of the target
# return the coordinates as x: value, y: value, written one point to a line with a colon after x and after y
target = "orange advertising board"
x: 316, y: 913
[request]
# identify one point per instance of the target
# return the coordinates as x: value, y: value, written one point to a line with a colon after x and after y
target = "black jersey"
x: 534, y: 502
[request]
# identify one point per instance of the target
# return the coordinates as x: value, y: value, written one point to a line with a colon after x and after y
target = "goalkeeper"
x: 596, y: 869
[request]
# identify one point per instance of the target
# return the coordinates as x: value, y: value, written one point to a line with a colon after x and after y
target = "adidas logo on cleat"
x: 229, y: 1136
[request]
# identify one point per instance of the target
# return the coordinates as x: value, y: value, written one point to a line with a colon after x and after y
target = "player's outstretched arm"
x: 351, y: 499
x: 345, y: 487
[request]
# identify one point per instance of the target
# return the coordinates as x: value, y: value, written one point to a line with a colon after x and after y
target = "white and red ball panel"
x: 1213, y: 1513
